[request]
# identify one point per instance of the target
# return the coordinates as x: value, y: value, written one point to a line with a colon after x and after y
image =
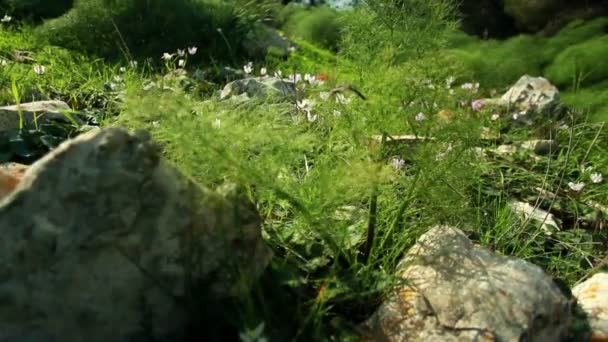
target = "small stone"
x: 540, y: 147
x: 592, y: 297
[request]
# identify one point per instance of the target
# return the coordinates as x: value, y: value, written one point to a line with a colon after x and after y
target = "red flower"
x: 322, y: 77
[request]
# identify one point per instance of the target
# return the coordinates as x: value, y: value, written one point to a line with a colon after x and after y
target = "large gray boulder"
x: 455, y: 291
x: 105, y: 241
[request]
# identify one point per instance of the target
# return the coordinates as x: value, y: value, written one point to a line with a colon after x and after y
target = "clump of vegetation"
x: 578, y: 64
x: 35, y: 10
x: 139, y: 29
x: 570, y: 59
x: 319, y: 25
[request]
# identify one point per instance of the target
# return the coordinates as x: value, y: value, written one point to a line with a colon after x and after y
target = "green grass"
x: 326, y: 277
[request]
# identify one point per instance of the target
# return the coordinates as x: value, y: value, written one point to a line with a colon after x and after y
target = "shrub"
x: 148, y: 28
x: 35, y: 9
x: 319, y: 25
x: 498, y: 64
x: 581, y: 64
x: 593, y: 100
x: 574, y: 33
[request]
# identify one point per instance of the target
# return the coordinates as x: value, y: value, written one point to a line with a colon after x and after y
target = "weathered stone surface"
x: 532, y: 94
x: 10, y: 176
x: 528, y: 98
x: 104, y: 241
x: 592, y: 297
x: 541, y: 147
x: 263, y: 88
x: 44, y: 111
x: 454, y: 291
x: 529, y: 212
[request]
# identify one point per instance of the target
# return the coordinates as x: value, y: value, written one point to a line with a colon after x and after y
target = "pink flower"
x: 477, y: 104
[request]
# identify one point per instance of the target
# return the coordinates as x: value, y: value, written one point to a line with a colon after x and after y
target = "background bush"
x: 35, y: 10
x: 319, y: 25
x: 148, y: 28
x: 581, y: 64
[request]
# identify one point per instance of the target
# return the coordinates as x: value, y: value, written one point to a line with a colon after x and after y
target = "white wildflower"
x: 216, y: 124
x: 324, y: 95
x: 420, y: 117
x: 181, y: 63
x: 576, y: 187
x: 442, y: 155
x: 337, y: 113
x: 3, y: 62
x: 397, y: 163
x: 596, y: 178
x: 341, y: 99
x: 449, y: 81
x: 39, y: 69
x: 311, y: 117
x: 248, y: 68
x: 263, y: 71
x: 192, y: 50
x: 278, y: 74
x: 473, y: 87
x: 122, y: 69
x: 305, y: 104
x: 133, y: 64
x: 495, y: 117
x: 167, y: 56
x: 181, y: 52
x: 6, y: 18
x: 295, y: 78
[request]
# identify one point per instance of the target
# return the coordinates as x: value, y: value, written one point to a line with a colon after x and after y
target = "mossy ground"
x: 325, y: 278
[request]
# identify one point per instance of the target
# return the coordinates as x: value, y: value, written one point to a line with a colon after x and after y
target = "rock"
x: 540, y: 147
x: 505, y: 150
x: 453, y: 291
x: 45, y: 111
x: 528, y: 98
x: 547, y: 221
x: 592, y: 297
x: 102, y: 240
x: 10, y: 176
x: 532, y: 94
x: 263, y: 88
